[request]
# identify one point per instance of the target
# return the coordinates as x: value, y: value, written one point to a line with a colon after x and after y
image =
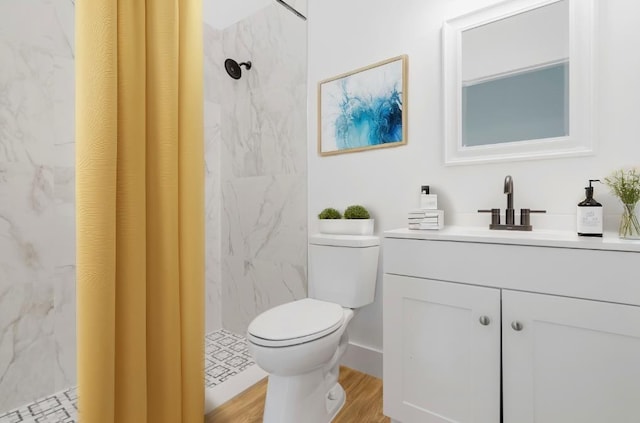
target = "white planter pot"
x: 346, y: 226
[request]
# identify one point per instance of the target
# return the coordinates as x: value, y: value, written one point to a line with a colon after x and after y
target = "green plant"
x: 625, y: 184
x: 329, y: 213
x: 356, y: 212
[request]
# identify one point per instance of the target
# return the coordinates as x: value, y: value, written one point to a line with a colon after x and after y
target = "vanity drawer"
x: 592, y: 274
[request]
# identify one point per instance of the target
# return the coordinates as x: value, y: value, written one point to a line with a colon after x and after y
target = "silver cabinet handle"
x: 484, y: 320
x: 517, y: 326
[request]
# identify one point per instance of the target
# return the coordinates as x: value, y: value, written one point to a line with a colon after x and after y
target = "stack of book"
x: 425, y: 219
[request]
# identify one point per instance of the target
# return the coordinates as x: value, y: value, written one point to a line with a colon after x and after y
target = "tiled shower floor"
x: 226, y: 356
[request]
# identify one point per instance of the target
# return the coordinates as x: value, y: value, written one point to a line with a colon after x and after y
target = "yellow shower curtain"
x: 140, y: 211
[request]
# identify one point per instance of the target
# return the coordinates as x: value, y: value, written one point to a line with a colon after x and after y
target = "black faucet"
x: 510, y: 213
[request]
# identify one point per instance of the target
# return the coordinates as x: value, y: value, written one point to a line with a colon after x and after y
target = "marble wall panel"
x: 26, y: 343
x: 213, y: 196
x: 64, y: 321
x: 214, y: 72
x: 263, y: 218
x: 26, y: 200
x: 269, y: 101
x: 263, y: 167
x: 36, y: 198
x: 253, y: 286
x: 213, y: 69
x: 263, y: 133
x: 275, y: 42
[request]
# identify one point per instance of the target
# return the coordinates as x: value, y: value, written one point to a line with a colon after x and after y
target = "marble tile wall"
x: 213, y: 193
x: 37, y: 252
x: 263, y: 166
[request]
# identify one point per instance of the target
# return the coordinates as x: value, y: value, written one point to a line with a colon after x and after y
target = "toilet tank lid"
x: 354, y: 241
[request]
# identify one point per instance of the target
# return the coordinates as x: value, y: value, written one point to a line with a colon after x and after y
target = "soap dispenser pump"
x: 589, y: 214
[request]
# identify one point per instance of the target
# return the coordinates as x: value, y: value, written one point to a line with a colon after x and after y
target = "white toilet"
x: 300, y: 343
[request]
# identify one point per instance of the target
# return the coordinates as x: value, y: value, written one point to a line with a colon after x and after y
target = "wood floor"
x: 364, y: 402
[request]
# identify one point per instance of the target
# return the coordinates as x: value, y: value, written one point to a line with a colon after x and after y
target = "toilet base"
x: 335, y: 400
x: 314, y: 396
x: 302, y: 398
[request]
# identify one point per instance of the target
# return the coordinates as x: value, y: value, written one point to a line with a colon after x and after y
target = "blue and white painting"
x: 363, y: 109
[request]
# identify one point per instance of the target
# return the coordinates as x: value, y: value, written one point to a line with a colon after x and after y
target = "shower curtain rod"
x: 292, y: 10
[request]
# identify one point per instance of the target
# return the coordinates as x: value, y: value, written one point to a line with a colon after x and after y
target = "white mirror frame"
x: 580, y: 140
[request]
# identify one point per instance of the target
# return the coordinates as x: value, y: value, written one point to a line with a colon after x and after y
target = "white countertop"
x: 540, y: 238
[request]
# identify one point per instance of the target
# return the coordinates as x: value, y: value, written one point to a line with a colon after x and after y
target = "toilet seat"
x: 295, y: 323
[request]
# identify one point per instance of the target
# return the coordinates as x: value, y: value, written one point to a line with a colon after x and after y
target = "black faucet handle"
x: 525, y: 216
x: 495, y: 215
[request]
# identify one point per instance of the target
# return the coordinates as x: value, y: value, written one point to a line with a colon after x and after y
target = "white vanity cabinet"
x: 572, y: 360
x: 440, y: 363
x: 484, y: 330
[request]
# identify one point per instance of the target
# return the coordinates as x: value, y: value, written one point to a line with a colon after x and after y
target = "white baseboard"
x: 363, y: 359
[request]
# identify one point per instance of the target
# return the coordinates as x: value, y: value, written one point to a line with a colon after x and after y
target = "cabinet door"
x: 441, y: 363
x: 570, y: 360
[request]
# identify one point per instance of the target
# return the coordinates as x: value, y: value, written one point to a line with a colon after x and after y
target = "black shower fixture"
x: 234, y: 68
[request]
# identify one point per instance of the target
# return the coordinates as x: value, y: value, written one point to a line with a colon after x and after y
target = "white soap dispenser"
x: 589, y: 213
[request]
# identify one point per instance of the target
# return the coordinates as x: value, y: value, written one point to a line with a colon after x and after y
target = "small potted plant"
x: 329, y: 214
x: 625, y: 184
x: 330, y: 221
x: 357, y: 221
x: 360, y: 222
x: 356, y: 212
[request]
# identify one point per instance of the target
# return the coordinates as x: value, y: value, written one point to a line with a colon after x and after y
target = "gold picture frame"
x: 364, y: 109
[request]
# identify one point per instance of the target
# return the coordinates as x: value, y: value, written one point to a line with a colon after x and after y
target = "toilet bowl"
x: 300, y: 343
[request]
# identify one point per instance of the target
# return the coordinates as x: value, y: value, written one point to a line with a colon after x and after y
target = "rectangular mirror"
x: 518, y: 81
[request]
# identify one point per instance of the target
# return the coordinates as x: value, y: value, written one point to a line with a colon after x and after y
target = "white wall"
x: 347, y: 35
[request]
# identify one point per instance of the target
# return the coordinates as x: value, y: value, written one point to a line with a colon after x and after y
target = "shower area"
x: 256, y: 194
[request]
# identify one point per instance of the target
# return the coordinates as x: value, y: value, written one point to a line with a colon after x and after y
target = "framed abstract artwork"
x: 363, y: 109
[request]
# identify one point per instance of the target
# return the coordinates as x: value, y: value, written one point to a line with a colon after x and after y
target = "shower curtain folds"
x: 140, y: 211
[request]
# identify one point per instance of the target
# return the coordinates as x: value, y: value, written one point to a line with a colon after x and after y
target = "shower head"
x: 234, y: 69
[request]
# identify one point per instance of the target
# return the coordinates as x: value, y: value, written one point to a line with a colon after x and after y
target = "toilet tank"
x: 343, y: 268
